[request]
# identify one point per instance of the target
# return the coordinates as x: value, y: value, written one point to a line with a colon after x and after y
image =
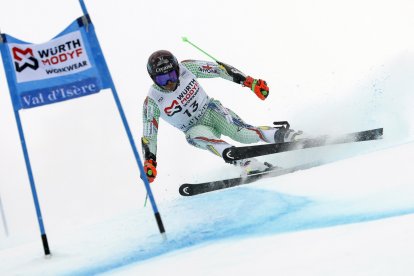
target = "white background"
x: 332, y: 67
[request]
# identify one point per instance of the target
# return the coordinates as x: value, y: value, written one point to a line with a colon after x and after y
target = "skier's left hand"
x: 258, y: 86
x: 150, y: 169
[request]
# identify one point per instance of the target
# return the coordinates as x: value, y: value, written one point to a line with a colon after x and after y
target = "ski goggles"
x: 163, y: 79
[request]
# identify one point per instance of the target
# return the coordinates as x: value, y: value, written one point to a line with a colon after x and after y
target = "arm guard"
x: 206, y: 69
x: 237, y: 76
x: 150, y: 116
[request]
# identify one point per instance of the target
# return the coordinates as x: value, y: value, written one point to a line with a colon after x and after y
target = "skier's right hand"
x: 150, y: 169
x: 258, y: 86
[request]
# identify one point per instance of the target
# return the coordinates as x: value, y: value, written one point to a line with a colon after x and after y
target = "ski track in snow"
x: 255, y: 212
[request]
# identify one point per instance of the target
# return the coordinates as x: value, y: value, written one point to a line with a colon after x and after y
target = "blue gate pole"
x: 6, y: 62
x: 130, y: 138
x: 139, y: 162
x: 83, y: 6
x: 32, y: 184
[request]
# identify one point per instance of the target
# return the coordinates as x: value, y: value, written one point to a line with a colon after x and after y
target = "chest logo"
x: 174, y: 108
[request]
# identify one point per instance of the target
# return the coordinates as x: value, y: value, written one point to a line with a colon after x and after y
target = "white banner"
x: 62, y: 56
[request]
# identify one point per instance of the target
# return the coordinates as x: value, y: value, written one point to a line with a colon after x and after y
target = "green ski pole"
x: 146, y: 199
x: 198, y: 48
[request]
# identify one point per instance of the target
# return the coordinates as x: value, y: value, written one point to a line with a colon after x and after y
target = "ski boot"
x: 252, y: 165
x: 285, y: 134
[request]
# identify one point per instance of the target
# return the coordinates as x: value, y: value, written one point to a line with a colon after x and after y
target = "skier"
x: 177, y: 97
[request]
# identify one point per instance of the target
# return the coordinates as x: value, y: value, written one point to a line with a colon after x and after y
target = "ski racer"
x: 177, y: 97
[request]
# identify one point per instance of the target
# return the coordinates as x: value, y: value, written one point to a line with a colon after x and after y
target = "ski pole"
x: 198, y: 48
x: 3, y: 217
x: 146, y: 199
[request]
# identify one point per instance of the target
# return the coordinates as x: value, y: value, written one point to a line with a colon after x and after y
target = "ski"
x: 237, y: 153
x: 189, y: 189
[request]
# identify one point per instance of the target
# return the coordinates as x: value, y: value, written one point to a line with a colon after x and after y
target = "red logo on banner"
x: 25, y: 59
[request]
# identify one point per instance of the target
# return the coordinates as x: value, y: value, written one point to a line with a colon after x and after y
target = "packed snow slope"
x: 332, y: 67
x: 355, y: 190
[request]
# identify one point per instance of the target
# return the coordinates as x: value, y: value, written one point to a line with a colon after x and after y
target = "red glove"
x: 258, y: 86
x: 150, y: 169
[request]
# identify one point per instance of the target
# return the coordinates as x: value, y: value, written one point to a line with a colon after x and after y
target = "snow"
x: 332, y: 67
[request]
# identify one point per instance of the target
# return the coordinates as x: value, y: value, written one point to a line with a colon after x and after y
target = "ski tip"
x: 185, y: 190
x: 228, y: 155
